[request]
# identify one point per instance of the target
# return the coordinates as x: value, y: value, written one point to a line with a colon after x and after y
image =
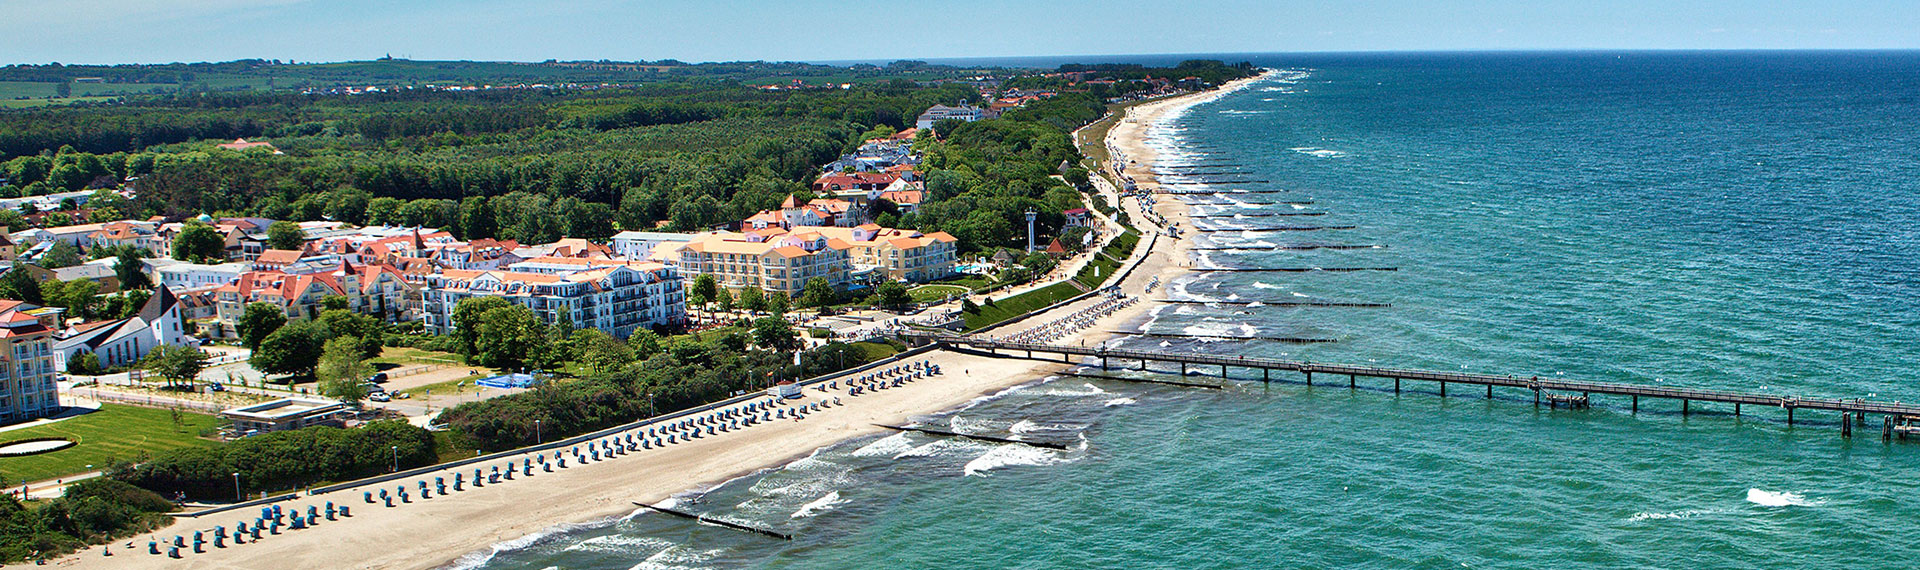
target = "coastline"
x: 465, y: 528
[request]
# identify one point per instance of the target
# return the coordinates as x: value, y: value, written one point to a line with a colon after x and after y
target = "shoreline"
x: 466, y: 529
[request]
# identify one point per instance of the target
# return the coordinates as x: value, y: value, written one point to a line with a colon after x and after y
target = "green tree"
x: 817, y: 294
x: 600, y: 352
x: 199, y: 243
x: 16, y: 284
x: 176, y: 364
x: 62, y: 254
x: 342, y: 370
x: 80, y: 297
x: 778, y: 303
x: 365, y: 330
x: 724, y: 299
x: 466, y: 322
x: 258, y: 321
x: 507, y: 336
x: 286, y: 235
x: 294, y: 349
x: 892, y: 295
x: 753, y: 299
x: 84, y: 364
x: 775, y: 333
x: 704, y: 288
x: 127, y: 266
x: 12, y: 219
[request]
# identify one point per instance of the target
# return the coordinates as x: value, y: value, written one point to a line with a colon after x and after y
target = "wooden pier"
x: 1286, y: 269
x: 1900, y: 419
x: 714, y: 521
x: 1254, y: 215
x: 1261, y: 303
x: 1300, y: 247
x: 1285, y: 339
x: 1276, y: 229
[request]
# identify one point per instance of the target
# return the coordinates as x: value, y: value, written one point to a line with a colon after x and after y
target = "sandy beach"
x: 439, y: 531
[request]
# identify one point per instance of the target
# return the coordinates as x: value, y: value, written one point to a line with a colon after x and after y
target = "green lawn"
x: 114, y: 432
x: 872, y: 351
x: 1010, y: 307
x: 401, y: 356
x: 1108, y: 261
x: 929, y: 293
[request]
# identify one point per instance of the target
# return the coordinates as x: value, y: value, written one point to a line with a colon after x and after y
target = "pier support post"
x: 1350, y: 381
x: 1846, y: 424
x: 1736, y: 409
x: 1886, y: 431
x: 1443, y: 389
x: 1183, y: 368
x: 1396, y: 385
x: 1266, y: 375
x: 1684, y: 404
x: 1103, y: 363
x: 1309, y: 377
x: 1223, y: 371
x: 1636, y: 403
x: 1489, y: 391
x: 1789, y: 415
x: 1536, y: 397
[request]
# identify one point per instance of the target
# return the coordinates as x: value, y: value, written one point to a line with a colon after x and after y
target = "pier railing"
x: 1857, y: 408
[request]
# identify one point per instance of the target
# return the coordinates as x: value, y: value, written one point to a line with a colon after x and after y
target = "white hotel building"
x: 615, y: 297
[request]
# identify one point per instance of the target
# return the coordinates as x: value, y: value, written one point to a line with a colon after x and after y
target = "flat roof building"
x: 285, y: 414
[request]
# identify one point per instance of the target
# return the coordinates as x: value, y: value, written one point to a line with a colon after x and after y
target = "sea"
x: 1730, y: 220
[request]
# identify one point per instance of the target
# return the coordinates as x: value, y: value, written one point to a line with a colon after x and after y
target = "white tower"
x: 1030, y: 216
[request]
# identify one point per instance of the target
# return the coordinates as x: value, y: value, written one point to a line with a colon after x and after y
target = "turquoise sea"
x: 1729, y: 220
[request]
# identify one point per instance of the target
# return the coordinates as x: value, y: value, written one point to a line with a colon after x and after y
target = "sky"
x: 160, y: 31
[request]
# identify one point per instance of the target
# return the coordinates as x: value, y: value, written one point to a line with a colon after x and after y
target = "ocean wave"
x: 1266, y: 285
x: 1317, y: 152
x: 1781, y: 499
x: 1687, y: 514
x: 676, y: 557
x: 890, y: 446
x: 942, y: 447
x: 1119, y: 402
x: 1029, y: 426
x: 480, y: 558
x: 619, y: 544
x: 825, y: 502
x: 1009, y: 455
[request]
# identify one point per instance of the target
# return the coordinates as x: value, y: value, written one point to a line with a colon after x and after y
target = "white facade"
x: 198, y: 275
x: 618, y: 298
x: 638, y: 245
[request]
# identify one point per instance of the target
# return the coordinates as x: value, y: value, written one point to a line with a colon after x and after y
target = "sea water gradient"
x: 1742, y: 221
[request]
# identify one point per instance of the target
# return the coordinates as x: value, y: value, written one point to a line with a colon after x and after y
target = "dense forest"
x: 535, y: 165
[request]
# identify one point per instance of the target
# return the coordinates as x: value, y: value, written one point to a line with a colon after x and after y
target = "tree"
x: 127, y: 266
x: 16, y: 284
x: 259, y: 320
x: 61, y: 254
x: 778, y: 303
x: 600, y: 352
x: 775, y: 333
x: 968, y: 306
x: 294, y: 349
x: 892, y: 295
x: 286, y: 235
x: 364, y: 329
x: 753, y: 299
x: 507, y: 336
x: 80, y: 297
x: 724, y: 300
x: 341, y: 370
x: 199, y: 243
x: 704, y: 287
x: 817, y: 294
x: 84, y: 364
x: 175, y: 363
x: 467, y: 318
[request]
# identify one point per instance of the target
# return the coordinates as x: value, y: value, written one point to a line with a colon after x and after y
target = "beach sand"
x: 439, y: 531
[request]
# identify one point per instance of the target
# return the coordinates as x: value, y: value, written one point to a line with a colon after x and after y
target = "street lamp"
x: 537, y: 440
x: 396, y: 459
x: 237, y: 497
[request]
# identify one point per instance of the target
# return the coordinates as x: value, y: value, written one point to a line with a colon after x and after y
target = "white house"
x: 198, y: 275
x: 125, y: 341
x: 637, y: 245
x: 939, y: 113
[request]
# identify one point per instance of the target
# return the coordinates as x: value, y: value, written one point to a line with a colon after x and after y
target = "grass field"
x: 928, y: 293
x: 1010, y: 307
x: 114, y: 432
x: 401, y: 356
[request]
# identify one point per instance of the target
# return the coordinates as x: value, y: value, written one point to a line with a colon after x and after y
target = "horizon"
x: 161, y: 31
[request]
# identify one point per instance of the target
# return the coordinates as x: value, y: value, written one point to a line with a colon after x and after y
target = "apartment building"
x: 27, y: 371
x: 775, y: 261
x: 615, y: 297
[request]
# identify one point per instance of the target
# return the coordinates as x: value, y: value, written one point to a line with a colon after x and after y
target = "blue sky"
x: 147, y: 31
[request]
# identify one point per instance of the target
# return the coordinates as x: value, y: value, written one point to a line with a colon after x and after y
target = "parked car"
x: 372, y: 388
x: 215, y: 387
x: 379, y: 397
x: 378, y: 378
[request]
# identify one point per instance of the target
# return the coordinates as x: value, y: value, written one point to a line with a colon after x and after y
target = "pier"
x: 1897, y: 416
x: 1301, y: 247
x: 714, y: 521
x: 1255, y: 215
x: 1287, y: 269
x: 1260, y: 303
x: 988, y: 438
x: 1221, y: 192
x: 1285, y: 339
x: 1277, y: 229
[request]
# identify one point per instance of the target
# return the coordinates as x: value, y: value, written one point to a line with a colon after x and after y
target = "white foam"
x: 1120, y: 402
x: 1012, y: 454
x: 941, y: 447
x: 1030, y: 426
x: 675, y: 557
x: 825, y: 502
x: 1317, y: 152
x: 1266, y: 285
x: 1780, y: 499
x: 619, y: 543
x: 1670, y: 515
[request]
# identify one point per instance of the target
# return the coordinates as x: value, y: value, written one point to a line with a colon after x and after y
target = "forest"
x: 536, y: 165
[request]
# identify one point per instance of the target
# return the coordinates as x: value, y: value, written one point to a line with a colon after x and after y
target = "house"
x: 122, y: 233
x: 834, y: 182
x: 903, y: 255
x: 300, y: 289
x: 939, y: 113
x: 98, y: 271
x: 199, y: 275
x: 74, y: 234
x: 1078, y: 218
x: 612, y: 296
x: 286, y: 414
x: 638, y: 245
x: 27, y: 389
x: 125, y: 341
x: 776, y: 263
x: 244, y: 144
x: 816, y: 212
x: 905, y: 196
